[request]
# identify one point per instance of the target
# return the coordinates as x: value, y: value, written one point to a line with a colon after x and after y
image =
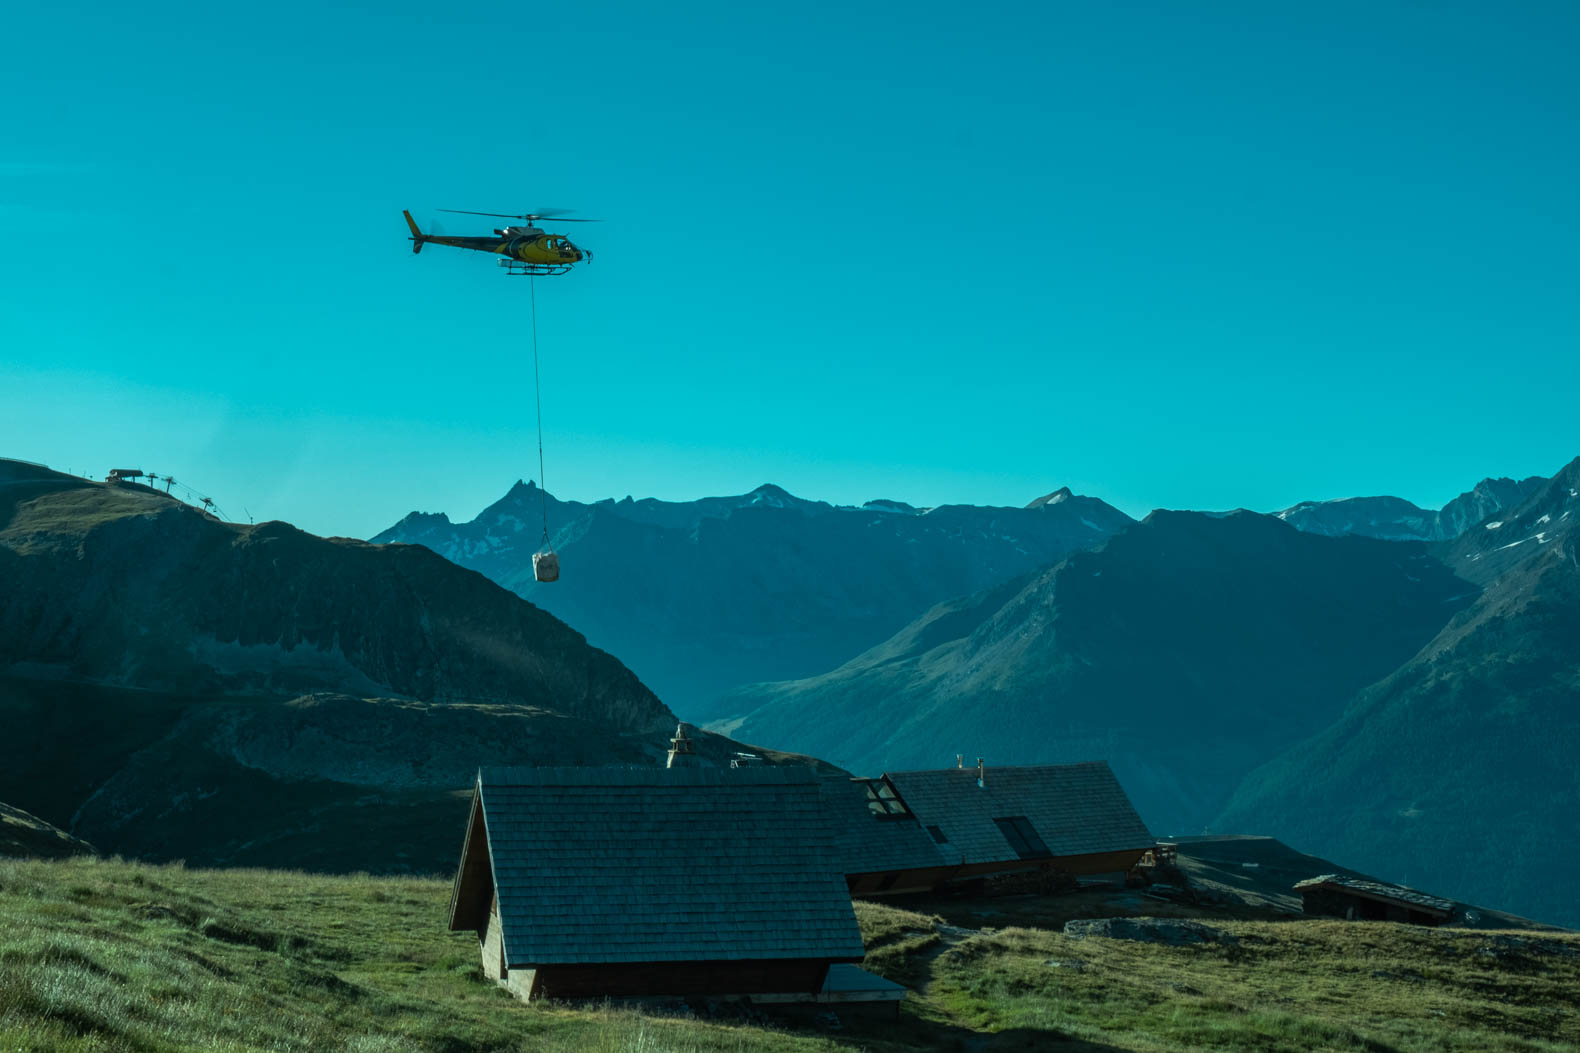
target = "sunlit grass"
x: 102, y: 955
x: 114, y: 956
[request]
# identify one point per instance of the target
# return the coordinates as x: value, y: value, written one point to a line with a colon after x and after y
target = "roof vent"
x: 981, y: 774
x: 681, y: 753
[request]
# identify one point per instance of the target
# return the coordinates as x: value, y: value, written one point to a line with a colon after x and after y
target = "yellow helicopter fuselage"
x: 538, y: 251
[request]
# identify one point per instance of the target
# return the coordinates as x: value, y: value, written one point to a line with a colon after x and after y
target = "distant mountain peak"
x: 777, y: 497
x: 884, y: 504
x: 422, y: 519
x: 1060, y: 495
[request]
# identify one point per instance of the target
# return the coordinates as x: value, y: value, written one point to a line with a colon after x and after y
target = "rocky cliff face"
x: 701, y: 596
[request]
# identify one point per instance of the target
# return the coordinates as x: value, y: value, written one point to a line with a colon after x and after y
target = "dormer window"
x: 882, y: 801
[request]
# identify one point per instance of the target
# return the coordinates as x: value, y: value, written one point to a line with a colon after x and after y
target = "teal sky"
x: 1182, y: 255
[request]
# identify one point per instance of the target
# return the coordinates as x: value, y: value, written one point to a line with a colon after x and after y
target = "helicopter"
x: 526, y: 250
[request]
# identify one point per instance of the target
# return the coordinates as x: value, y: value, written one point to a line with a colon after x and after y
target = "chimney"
x: 681, y: 754
x: 981, y: 774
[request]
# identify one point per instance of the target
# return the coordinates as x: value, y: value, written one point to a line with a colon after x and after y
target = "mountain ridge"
x: 1395, y: 519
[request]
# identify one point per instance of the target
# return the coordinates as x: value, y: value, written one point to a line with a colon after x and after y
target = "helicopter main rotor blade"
x: 464, y: 212
x: 529, y: 216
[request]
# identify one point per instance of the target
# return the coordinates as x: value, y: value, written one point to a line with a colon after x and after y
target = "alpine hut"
x: 1071, y: 817
x: 634, y: 882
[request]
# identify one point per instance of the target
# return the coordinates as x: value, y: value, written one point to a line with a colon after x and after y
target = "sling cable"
x: 523, y: 248
x: 545, y: 561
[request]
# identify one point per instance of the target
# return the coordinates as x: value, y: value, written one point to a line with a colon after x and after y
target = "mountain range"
x: 1410, y: 707
x: 178, y: 687
x: 702, y: 597
x: 698, y: 597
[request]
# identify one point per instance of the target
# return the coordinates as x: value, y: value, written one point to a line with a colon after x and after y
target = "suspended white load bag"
x: 546, y: 566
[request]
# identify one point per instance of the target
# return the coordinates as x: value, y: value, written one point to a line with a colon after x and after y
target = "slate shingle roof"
x: 1077, y: 809
x: 867, y: 844
x: 660, y: 865
x: 1378, y: 890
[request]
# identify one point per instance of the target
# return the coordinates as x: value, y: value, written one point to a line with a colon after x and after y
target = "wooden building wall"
x: 644, y: 979
x: 1333, y: 903
x: 493, y: 944
x: 893, y: 883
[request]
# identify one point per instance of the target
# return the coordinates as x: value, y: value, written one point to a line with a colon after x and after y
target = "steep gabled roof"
x: 603, y: 865
x: 1075, y: 809
x: 868, y: 843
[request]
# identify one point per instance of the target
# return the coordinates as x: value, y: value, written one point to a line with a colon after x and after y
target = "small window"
x: 883, y: 801
x: 1022, y: 837
x: 938, y: 834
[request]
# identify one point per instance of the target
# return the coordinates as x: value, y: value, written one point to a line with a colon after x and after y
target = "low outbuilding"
x: 637, y: 882
x: 923, y: 828
x: 1360, y: 899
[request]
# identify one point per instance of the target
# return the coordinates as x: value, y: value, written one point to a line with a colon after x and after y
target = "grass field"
x: 104, y: 955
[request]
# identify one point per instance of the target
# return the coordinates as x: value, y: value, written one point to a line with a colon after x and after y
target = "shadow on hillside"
x: 919, y: 1034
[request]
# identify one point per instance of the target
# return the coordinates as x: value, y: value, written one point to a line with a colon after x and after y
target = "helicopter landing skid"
x: 538, y: 269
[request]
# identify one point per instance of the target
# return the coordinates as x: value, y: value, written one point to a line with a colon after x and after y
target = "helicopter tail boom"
x: 417, y: 236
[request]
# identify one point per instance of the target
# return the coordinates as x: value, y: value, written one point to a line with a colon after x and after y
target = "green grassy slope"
x: 98, y: 955
x: 25, y: 834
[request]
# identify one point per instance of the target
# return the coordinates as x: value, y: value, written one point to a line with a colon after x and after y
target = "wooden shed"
x: 1073, y: 817
x: 1358, y: 899
x: 634, y: 882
